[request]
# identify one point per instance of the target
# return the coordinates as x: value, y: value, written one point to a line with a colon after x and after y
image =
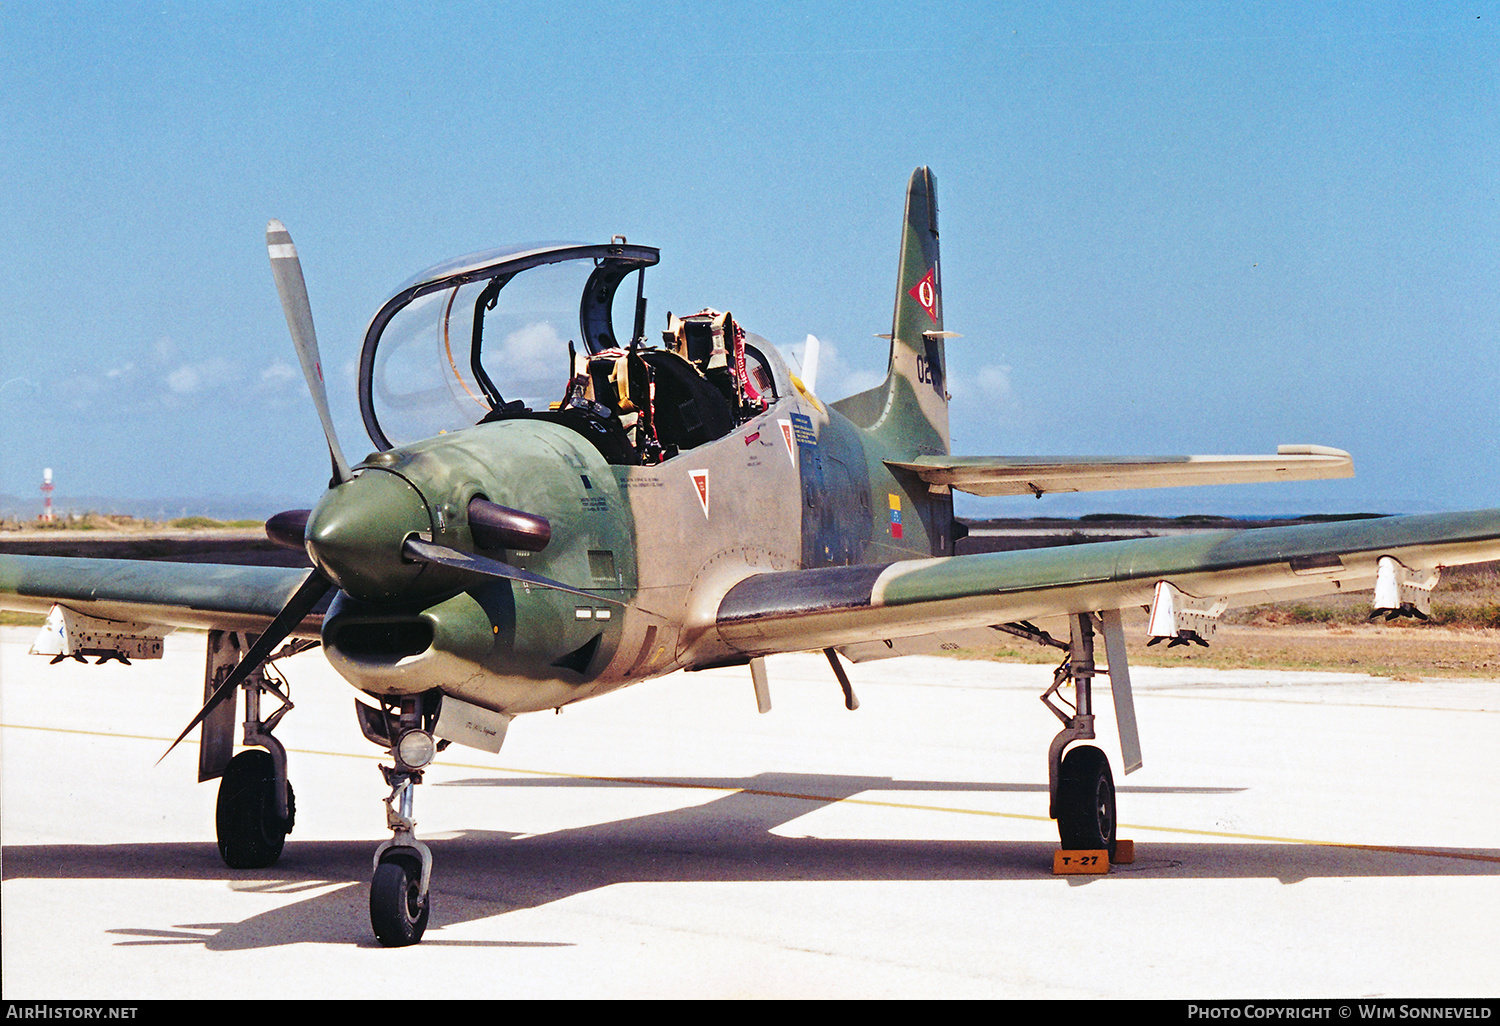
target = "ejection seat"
x: 663, y: 404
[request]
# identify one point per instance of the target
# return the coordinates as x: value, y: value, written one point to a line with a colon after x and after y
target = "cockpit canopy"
x: 475, y: 340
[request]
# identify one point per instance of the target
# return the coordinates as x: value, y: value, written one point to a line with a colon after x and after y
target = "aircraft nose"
x: 355, y: 534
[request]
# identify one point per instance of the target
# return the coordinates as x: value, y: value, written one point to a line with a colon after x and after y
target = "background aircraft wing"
x: 203, y: 595
x: 856, y: 605
x: 1020, y: 475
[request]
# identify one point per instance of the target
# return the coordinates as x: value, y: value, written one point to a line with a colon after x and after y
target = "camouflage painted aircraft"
x: 626, y: 510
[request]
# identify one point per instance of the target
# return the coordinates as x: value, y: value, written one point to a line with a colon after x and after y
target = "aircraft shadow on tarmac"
x: 483, y: 873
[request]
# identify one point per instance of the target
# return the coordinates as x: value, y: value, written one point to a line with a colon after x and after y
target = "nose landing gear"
x: 400, y: 890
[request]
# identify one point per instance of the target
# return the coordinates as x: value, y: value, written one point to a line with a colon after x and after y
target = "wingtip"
x: 1304, y: 449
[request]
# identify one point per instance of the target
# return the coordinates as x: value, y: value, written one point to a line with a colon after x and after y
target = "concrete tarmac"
x: 1298, y: 835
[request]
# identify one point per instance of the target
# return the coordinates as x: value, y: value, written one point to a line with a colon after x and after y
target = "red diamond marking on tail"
x: 925, y: 293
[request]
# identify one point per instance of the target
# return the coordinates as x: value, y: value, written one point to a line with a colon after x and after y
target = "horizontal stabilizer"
x: 1037, y: 475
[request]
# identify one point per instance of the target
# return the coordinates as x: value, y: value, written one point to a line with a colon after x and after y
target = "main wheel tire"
x: 250, y: 832
x: 398, y: 905
x: 1086, y: 801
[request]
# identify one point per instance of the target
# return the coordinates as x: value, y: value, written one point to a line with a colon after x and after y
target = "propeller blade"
x: 427, y: 552
x: 313, y: 588
x: 286, y: 268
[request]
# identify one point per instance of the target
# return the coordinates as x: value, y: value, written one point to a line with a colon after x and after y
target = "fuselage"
x: 797, y: 486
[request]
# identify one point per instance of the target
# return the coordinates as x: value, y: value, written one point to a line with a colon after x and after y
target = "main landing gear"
x: 256, y: 807
x: 251, y: 823
x: 1080, y: 785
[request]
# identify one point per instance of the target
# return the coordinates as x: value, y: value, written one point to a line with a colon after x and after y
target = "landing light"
x: 415, y: 749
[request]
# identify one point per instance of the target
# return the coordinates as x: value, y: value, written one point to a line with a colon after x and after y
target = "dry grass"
x: 1333, y: 633
x: 121, y: 523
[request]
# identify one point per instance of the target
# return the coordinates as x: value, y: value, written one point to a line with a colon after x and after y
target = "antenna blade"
x: 286, y: 268
x: 810, y: 364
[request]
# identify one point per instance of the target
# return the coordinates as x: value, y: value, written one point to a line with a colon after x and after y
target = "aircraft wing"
x: 203, y: 595
x: 1037, y: 475
x: 834, y: 607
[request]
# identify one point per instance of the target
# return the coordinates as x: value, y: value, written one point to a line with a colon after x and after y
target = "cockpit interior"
x: 528, y: 332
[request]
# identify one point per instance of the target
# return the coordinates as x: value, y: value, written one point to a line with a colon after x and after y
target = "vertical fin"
x: 915, y: 414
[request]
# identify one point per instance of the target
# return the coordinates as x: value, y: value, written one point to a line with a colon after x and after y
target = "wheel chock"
x: 1072, y: 862
x: 1124, y: 853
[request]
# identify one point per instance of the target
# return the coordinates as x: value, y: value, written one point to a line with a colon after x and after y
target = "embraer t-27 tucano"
x: 624, y: 509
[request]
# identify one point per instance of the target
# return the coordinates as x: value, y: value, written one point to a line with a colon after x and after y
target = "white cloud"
x: 279, y: 374
x: 994, y: 381
x: 836, y: 376
x: 530, y: 358
x: 206, y: 375
x: 184, y: 380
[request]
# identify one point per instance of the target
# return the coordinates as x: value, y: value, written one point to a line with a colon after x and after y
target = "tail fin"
x: 909, y: 412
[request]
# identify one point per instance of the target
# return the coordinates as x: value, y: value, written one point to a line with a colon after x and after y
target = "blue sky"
x: 1181, y: 227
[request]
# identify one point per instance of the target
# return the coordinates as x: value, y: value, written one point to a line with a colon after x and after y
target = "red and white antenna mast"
x: 47, y: 515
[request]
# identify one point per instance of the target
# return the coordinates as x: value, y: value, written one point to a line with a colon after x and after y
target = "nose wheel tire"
x: 398, y: 904
x: 1086, y: 801
x: 250, y: 832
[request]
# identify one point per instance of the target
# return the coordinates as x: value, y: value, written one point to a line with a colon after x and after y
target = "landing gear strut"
x: 400, y: 896
x: 1081, y: 786
x: 256, y: 807
x: 400, y: 891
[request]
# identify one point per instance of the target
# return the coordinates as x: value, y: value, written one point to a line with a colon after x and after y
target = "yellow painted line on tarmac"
x: 912, y: 806
x: 1267, y: 699
x: 833, y: 799
x: 186, y: 741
